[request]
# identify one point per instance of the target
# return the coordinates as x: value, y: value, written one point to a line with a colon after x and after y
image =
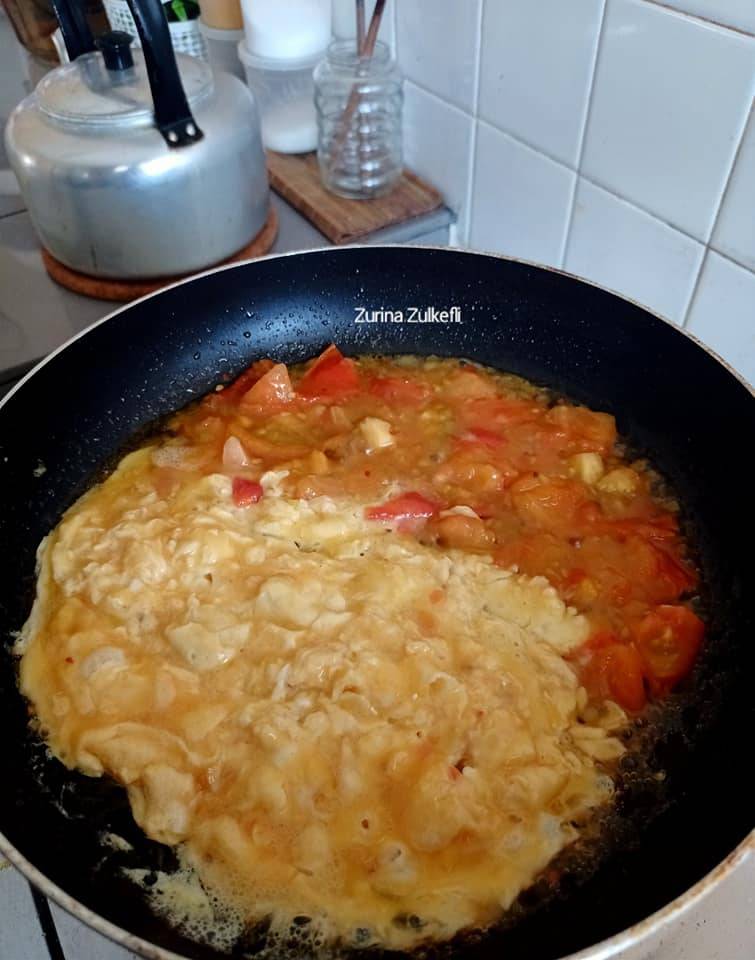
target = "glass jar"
x: 359, y: 104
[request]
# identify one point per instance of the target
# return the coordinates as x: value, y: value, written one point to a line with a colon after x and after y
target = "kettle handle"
x: 172, y: 114
x: 74, y: 27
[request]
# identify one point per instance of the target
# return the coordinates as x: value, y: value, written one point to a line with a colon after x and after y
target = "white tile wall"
x: 627, y: 250
x: 521, y: 199
x: 20, y: 933
x: 645, y: 100
x: 734, y: 233
x: 536, y: 69
x: 669, y: 104
x: 438, y: 144
x: 79, y: 941
x: 739, y: 14
x: 438, y: 41
x: 723, y: 312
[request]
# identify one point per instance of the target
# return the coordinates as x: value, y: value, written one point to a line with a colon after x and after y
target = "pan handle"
x: 73, y: 25
x: 172, y: 114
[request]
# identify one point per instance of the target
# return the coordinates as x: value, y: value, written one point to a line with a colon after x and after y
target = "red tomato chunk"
x: 406, y: 506
x: 246, y: 492
x: 539, y: 485
x: 331, y: 375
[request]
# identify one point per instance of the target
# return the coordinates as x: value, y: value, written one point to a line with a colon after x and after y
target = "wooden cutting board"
x: 297, y: 179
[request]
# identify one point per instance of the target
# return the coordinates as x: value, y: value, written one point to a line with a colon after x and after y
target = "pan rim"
x: 388, y: 246
x: 603, y: 950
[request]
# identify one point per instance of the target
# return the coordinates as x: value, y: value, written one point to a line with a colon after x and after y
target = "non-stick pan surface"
x: 670, y: 397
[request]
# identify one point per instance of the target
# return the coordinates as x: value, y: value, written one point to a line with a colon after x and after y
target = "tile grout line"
x: 695, y: 287
x: 46, y: 922
x: 728, y: 258
x: 12, y: 213
x: 730, y: 173
x: 750, y: 113
x: 432, y: 93
x: 583, y: 136
x: 475, y: 128
x: 601, y: 185
x: 700, y: 18
x: 434, y: 96
x: 478, y: 61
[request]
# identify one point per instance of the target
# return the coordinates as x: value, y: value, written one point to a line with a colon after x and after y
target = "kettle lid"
x: 112, y: 87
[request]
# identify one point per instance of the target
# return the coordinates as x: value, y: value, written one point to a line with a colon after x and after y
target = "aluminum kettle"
x: 138, y: 163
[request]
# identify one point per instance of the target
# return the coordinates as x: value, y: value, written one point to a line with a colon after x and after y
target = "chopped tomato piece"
x: 652, y: 571
x: 406, y: 506
x: 469, y: 471
x: 399, y: 389
x: 585, y: 430
x: 246, y: 492
x: 270, y: 451
x: 673, y: 572
x: 486, y: 438
x: 497, y: 412
x: 615, y: 672
x: 245, y: 381
x: 271, y: 389
x: 657, y: 528
x: 599, y: 639
x: 463, y: 532
x: 555, y: 504
x: 330, y: 375
x: 668, y: 640
x: 574, y: 577
x: 537, y: 553
x: 467, y: 384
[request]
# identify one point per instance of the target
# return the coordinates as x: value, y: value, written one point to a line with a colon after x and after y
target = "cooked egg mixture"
x: 332, y: 719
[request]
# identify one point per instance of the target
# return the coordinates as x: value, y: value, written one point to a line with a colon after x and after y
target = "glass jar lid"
x: 85, y: 91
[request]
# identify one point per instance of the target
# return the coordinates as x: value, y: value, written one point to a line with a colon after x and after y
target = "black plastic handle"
x: 74, y: 27
x: 172, y: 114
x: 115, y: 46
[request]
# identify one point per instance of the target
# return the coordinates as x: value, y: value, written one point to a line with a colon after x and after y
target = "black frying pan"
x: 671, y: 398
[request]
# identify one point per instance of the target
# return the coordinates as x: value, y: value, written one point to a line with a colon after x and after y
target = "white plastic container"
x: 285, y: 92
x: 286, y: 29
x: 223, y: 49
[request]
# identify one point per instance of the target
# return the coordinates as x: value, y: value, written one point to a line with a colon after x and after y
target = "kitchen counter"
x: 37, y: 315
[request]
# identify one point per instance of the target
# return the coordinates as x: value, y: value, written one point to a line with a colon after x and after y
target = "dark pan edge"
x: 607, y: 948
x: 395, y: 246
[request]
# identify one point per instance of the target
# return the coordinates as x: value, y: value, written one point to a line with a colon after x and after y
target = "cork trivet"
x: 297, y: 179
x: 102, y: 288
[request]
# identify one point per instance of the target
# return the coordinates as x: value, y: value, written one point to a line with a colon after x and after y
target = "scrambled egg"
x: 330, y: 718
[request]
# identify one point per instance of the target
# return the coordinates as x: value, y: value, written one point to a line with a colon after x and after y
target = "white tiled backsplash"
x: 612, y: 138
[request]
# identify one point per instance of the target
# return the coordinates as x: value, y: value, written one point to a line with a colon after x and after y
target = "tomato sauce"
x: 468, y: 458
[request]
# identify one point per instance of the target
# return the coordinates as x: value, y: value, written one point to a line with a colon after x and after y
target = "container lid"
x: 293, y: 30
x: 85, y: 91
x: 217, y: 33
x: 255, y: 62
